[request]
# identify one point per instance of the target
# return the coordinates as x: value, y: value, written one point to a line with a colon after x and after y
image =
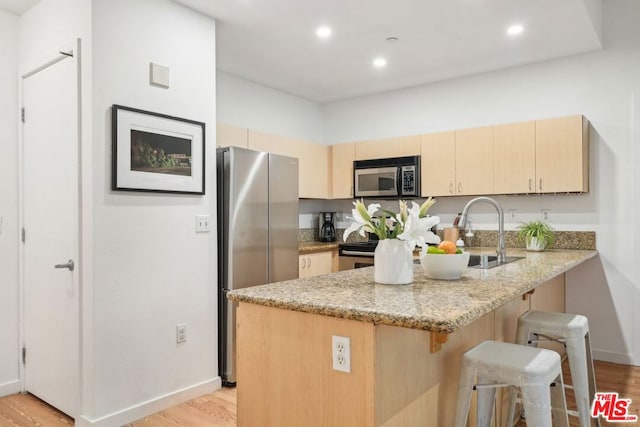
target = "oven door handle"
x: 357, y: 253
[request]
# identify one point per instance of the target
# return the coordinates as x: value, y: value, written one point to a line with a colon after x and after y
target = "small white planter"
x: 393, y: 262
x: 535, y: 245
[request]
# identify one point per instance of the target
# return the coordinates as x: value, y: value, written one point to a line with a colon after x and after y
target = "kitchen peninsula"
x: 405, y: 341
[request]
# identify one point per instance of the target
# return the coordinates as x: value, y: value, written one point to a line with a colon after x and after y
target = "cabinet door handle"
x: 304, y: 263
x: 309, y: 262
x: 451, y: 187
x: 540, y: 184
x: 459, y: 187
x: 530, y: 184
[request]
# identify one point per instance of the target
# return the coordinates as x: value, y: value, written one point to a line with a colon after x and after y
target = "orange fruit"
x: 447, y: 246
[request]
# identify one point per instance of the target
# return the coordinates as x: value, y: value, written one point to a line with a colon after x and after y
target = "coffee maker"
x: 327, y: 227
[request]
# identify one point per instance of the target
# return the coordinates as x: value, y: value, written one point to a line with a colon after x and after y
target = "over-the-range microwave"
x: 387, y: 178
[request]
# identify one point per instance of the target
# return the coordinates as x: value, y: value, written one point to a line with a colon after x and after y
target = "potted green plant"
x: 536, y: 235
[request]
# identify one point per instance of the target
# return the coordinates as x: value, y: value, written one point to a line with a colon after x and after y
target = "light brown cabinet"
x: 315, y: 264
x: 562, y: 155
x: 342, y: 157
x: 389, y: 147
x: 313, y: 166
x: 438, y: 164
x: 474, y: 161
x: 315, y: 178
x: 545, y: 156
x: 514, y: 154
x: 227, y: 135
x: 457, y: 163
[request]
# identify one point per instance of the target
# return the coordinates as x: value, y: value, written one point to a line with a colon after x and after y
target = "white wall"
x: 151, y: 270
x: 9, y: 349
x: 144, y: 268
x: 246, y: 104
x: 604, y: 86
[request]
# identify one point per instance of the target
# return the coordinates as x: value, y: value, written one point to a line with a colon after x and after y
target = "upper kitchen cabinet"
x: 457, y: 163
x: 562, y: 155
x: 271, y: 143
x: 514, y: 154
x: 438, y: 164
x: 342, y: 157
x: 386, y: 148
x: 474, y: 161
x: 313, y: 166
x: 227, y: 135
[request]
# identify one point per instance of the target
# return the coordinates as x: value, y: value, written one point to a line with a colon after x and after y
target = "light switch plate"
x: 159, y: 75
x: 203, y: 223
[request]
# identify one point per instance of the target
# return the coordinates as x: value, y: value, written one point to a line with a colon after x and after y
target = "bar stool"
x: 500, y: 364
x: 572, y: 330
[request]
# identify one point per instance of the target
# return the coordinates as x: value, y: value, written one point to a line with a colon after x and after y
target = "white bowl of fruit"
x: 444, y: 262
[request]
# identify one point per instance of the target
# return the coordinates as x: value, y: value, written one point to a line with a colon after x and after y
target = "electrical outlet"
x: 545, y: 214
x: 341, y: 353
x: 202, y: 224
x: 181, y: 333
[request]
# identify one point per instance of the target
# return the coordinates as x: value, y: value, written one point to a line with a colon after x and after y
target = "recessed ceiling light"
x: 392, y: 39
x: 379, y: 62
x: 323, y: 32
x: 515, y: 30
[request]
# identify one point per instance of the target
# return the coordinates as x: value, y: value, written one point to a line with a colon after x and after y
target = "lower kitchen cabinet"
x: 316, y: 264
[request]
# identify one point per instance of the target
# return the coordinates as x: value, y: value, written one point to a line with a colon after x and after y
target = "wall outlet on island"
x: 341, y: 353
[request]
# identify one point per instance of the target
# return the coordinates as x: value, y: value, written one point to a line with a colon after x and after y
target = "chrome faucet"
x: 501, y: 252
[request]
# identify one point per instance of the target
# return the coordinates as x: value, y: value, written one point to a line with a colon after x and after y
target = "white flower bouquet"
x: 411, y: 224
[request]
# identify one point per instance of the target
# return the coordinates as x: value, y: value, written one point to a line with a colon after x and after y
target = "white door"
x: 50, y: 221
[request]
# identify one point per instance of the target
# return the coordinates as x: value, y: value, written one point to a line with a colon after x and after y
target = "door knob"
x: 70, y: 265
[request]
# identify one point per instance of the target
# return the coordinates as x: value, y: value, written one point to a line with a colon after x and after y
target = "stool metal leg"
x: 577, y: 355
x: 486, y: 397
x: 536, y: 400
x: 465, y: 389
x: 511, y: 415
x: 559, y: 403
x: 591, y: 375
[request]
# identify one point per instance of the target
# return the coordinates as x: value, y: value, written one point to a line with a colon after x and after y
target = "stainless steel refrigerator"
x: 257, y: 232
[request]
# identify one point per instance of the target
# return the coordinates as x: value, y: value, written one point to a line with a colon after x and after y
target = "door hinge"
x: 24, y: 235
x: 22, y: 114
x: 24, y: 355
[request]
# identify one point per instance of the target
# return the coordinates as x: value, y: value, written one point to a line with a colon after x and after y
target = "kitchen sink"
x: 489, y: 261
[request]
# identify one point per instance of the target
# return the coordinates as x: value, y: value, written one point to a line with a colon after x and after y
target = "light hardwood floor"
x: 219, y: 409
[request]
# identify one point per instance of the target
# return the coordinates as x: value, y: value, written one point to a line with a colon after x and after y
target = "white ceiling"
x: 17, y: 7
x: 273, y: 42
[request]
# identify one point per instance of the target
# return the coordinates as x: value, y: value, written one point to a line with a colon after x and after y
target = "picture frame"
x: 155, y: 152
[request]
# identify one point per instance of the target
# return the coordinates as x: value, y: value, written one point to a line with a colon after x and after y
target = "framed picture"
x: 156, y: 152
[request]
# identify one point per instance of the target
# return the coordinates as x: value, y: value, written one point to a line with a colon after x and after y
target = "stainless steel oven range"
x: 356, y: 255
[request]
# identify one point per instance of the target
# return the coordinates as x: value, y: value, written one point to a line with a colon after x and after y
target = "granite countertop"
x: 432, y: 305
x: 310, y: 247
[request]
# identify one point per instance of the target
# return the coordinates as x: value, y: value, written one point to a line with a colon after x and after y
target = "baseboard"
x: 613, y: 357
x: 12, y: 387
x: 150, y: 407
